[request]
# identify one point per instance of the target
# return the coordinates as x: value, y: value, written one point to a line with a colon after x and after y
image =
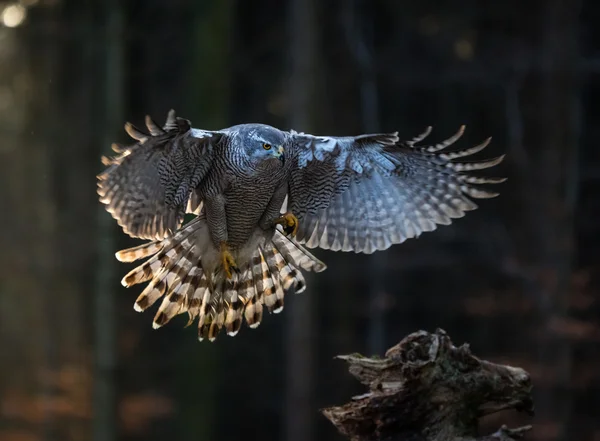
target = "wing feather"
x: 369, y: 192
x: 147, y: 187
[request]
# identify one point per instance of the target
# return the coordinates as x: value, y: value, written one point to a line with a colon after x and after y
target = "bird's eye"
x: 266, y: 146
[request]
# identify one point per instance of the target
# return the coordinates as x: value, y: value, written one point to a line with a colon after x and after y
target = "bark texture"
x: 425, y: 388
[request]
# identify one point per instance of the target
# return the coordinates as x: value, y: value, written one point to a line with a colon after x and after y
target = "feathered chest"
x: 246, y: 203
x: 254, y: 191
x: 247, y: 195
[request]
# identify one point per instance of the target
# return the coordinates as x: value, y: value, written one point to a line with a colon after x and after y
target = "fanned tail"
x: 182, y: 270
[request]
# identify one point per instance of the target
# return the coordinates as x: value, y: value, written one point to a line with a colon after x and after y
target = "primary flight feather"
x: 262, y: 196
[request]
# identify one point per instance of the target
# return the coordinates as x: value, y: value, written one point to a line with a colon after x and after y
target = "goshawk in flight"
x: 262, y: 196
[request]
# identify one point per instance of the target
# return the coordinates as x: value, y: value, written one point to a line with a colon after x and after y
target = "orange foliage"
x: 18, y: 435
x: 575, y: 328
x: 68, y: 395
x: 137, y: 411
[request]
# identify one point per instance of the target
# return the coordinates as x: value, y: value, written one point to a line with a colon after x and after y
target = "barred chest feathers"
x: 246, y: 200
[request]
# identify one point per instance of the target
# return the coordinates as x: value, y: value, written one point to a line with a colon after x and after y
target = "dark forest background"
x: 519, y: 279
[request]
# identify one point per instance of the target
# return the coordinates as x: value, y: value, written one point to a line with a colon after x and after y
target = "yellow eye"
x: 267, y: 146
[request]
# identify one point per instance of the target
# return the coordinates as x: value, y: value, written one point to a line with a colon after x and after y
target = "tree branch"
x: 426, y: 389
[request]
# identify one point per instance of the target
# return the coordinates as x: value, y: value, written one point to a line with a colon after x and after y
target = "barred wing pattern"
x: 369, y: 192
x: 146, y: 188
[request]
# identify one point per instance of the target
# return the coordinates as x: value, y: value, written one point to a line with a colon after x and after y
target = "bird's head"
x: 265, y: 145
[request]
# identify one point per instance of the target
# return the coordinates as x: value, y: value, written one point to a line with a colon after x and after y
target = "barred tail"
x: 180, y: 269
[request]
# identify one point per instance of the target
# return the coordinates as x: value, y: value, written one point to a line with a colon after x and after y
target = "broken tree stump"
x: 426, y: 389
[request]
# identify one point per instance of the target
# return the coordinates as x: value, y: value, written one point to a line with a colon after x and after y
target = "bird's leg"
x: 272, y: 216
x: 227, y: 260
x: 217, y: 223
x: 289, y: 222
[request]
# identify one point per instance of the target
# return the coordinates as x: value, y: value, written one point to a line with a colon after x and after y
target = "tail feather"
x: 246, y: 289
x: 279, y: 294
x: 198, y: 284
x: 161, y: 279
x: 277, y: 264
x: 273, y: 298
x: 253, y: 312
x: 233, y: 317
x: 159, y: 247
x: 153, y: 291
x: 205, y: 315
x: 166, y: 251
x: 182, y: 270
x: 265, y: 285
x: 139, y: 252
x: 218, y: 318
x: 292, y: 278
x: 296, y: 254
x: 169, y: 308
x: 177, y: 291
x: 300, y: 281
x: 289, y: 275
x: 203, y: 330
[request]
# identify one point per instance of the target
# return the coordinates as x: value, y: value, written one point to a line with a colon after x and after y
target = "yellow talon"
x: 227, y: 260
x: 289, y: 223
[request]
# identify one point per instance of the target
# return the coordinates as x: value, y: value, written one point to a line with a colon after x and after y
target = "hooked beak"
x: 280, y: 153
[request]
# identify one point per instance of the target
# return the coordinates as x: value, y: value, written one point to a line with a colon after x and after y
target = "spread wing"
x: 147, y: 187
x: 368, y: 192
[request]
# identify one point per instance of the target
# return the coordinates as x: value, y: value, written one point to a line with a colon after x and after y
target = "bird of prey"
x: 262, y: 197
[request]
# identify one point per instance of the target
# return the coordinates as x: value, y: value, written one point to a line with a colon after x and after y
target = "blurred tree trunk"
x: 28, y: 270
x: 109, y: 48
x: 45, y: 283
x: 300, y: 344
x: 548, y: 174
